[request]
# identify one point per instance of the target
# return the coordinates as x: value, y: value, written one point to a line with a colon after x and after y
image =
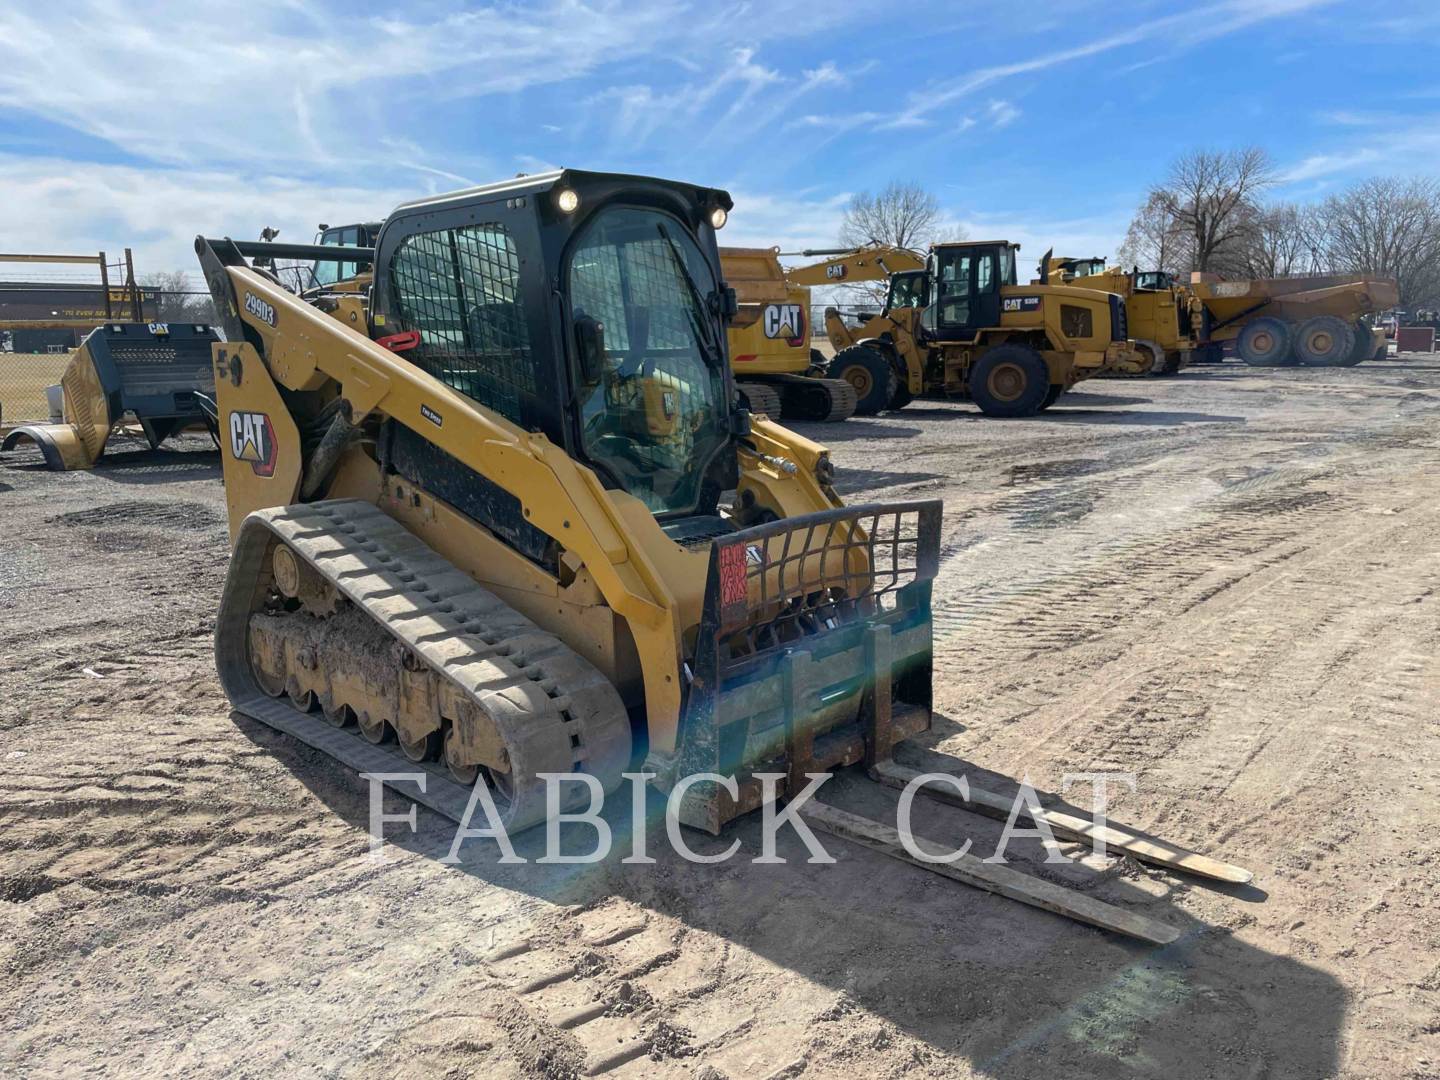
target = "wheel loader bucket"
x: 814, y: 651
x: 158, y: 372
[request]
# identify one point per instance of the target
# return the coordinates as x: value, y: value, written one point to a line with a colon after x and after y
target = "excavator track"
x: 818, y: 400
x: 418, y: 629
x: 800, y: 397
x: 761, y: 398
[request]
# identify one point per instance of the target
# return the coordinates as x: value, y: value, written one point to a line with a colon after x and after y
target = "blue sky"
x: 1042, y: 122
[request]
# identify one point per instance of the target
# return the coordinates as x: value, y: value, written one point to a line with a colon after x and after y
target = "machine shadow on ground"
x: 1062, y: 414
x: 1016, y: 991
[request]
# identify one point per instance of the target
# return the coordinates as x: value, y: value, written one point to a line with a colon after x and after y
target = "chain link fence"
x: 33, y: 357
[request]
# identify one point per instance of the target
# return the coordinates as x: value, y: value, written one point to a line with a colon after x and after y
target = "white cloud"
x: 1172, y: 32
x: 1002, y: 113
x: 67, y: 207
x: 1318, y: 165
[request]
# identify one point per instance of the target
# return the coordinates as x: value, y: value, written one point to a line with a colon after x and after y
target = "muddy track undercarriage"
x: 376, y: 640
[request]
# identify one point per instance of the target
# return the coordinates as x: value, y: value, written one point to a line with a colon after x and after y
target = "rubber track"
x: 554, y: 710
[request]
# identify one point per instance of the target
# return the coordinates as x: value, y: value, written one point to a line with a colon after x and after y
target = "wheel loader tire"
x: 1265, y: 343
x: 903, y: 396
x: 1324, y: 341
x: 761, y: 399
x: 1052, y: 395
x: 869, y: 371
x: 819, y: 359
x: 1010, y: 380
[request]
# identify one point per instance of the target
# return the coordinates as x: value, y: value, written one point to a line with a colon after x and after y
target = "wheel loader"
x: 501, y: 515
x: 776, y: 370
x: 962, y: 327
x: 1163, y: 318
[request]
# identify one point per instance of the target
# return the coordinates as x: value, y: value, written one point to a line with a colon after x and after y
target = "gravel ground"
x: 1224, y: 583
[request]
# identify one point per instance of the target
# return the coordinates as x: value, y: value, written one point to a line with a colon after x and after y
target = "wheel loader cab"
x: 326, y: 272
x: 968, y: 279
x: 909, y: 290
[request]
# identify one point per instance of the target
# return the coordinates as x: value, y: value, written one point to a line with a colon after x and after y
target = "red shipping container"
x: 1415, y: 339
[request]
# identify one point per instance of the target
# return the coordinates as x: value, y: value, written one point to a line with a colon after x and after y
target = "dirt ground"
x: 1224, y: 583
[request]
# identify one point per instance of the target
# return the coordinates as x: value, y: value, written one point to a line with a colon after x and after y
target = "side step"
x: 1073, y: 827
x: 992, y: 878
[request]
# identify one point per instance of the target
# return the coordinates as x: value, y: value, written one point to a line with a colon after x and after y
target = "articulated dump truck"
x: 502, y: 514
x: 1274, y: 322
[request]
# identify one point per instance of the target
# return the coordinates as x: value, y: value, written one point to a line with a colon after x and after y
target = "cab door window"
x: 954, y: 289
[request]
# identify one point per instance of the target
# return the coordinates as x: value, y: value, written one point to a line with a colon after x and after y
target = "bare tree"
x: 1282, y: 242
x: 175, y: 300
x: 902, y: 215
x: 1391, y: 228
x: 1154, y: 240
x: 1213, y: 197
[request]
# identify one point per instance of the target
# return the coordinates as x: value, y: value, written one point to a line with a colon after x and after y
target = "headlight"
x: 718, y: 217
x: 567, y: 201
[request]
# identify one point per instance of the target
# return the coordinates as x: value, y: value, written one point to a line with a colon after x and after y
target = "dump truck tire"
x: 1009, y: 381
x: 1324, y: 341
x: 869, y: 371
x: 1265, y: 343
x: 1361, y: 351
x: 1052, y: 395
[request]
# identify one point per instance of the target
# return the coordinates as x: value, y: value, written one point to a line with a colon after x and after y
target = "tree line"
x: 1211, y: 213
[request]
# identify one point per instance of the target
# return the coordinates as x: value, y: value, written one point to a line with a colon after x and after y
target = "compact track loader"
x: 962, y: 327
x: 499, y: 515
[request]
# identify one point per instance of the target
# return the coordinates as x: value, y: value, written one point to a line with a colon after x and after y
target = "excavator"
x: 962, y: 327
x: 776, y: 370
x: 501, y: 516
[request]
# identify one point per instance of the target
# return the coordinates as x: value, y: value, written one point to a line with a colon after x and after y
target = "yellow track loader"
x: 962, y: 327
x: 500, y: 516
x: 775, y: 368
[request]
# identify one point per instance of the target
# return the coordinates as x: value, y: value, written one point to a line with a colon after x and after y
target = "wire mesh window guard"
x: 461, y: 289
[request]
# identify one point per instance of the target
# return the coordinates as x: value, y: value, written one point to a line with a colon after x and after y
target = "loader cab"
x: 1153, y: 280
x: 325, y: 273
x: 908, y: 289
x: 966, y: 283
x: 587, y: 307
